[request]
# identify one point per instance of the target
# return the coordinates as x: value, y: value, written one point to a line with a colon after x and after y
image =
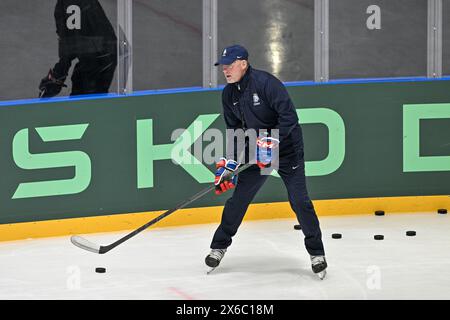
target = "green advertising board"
x: 72, y: 158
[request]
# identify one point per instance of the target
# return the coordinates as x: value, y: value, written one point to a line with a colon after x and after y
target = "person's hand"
x: 50, y: 85
x: 225, y: 177
x: 264, y: 148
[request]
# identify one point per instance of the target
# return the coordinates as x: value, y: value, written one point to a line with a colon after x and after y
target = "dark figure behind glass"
x: 84, y: 33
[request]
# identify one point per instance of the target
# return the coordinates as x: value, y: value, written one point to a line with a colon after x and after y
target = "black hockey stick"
x: 90, y: 246
x: 41, y: 93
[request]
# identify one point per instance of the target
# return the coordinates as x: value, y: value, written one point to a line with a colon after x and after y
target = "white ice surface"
x: 267, y: 260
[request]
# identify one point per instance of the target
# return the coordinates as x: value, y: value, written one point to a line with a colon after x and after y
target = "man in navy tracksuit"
x: 255, y: 99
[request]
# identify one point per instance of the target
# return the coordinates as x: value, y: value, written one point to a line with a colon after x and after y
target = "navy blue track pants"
x: 292, y: 172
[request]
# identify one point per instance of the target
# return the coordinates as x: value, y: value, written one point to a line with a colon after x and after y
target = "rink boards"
x: 109, y: 163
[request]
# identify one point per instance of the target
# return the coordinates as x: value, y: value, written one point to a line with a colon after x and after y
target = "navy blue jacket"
x: 260, y: 101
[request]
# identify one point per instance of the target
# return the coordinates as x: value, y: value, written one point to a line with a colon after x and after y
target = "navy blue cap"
x: 231, y: 54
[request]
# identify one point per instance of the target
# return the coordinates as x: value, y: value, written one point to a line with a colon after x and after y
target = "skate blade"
x: 322, y: 274
x: 210, y: 269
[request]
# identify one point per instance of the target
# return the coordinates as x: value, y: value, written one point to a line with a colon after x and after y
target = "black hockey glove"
x: 50, y: 85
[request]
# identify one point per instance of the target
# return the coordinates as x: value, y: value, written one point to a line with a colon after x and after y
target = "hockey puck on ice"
x: 442, y: 211
x: 379, y: 213
x: 298, y: 227
x: 100, y: 270
x: 336, y: 236
x: 410, y: 233
x: 378, y: 237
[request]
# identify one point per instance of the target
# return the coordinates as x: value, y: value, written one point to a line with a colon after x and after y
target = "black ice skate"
x: 212, y: 260
x: 319, y: 265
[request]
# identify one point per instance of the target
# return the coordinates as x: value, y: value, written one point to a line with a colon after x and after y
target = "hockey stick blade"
x: 84, y: 244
